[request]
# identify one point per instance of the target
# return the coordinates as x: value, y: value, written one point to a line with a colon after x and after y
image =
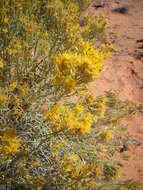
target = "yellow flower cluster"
x: 68, y: 83
x: 74, y: 69
x: 74, y: 120
x: 79, y: 170
x: 107, y: 135
x: 10, y: 143
x: 69, y: 163
x: 1, y: 64
x: 5, y: 20
x: 102, y: 19
x: 4, y: 23
x: 12, y: 86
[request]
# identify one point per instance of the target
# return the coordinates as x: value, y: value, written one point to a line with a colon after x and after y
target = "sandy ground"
x: 123, y: 71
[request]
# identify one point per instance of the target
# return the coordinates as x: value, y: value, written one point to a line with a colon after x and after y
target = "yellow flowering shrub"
x: 55, y: 134
x: 95, y: 29
x: 76, y: 69
x: 75, y: 120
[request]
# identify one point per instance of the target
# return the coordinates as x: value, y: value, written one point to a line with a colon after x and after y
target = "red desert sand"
x: 123, y: 72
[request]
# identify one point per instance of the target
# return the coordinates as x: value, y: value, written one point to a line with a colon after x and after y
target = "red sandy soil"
x: 123, y: 71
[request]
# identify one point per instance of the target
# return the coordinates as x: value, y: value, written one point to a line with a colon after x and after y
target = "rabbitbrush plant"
x: 55, y: 134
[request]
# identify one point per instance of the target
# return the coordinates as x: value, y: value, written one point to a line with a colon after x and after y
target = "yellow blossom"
x: 18, y: 111
x: 10, y: 143
x: 1, y: 64
x: 12, y: 86
x: 95, y: 118
x: 53, y: 114
x: 5, y: 20
x: 65, y: 118
x: 74, y: 157
x: 107, y: 135
x: 5, y: 30
x: 78, y: 109
x: 69, y: 84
